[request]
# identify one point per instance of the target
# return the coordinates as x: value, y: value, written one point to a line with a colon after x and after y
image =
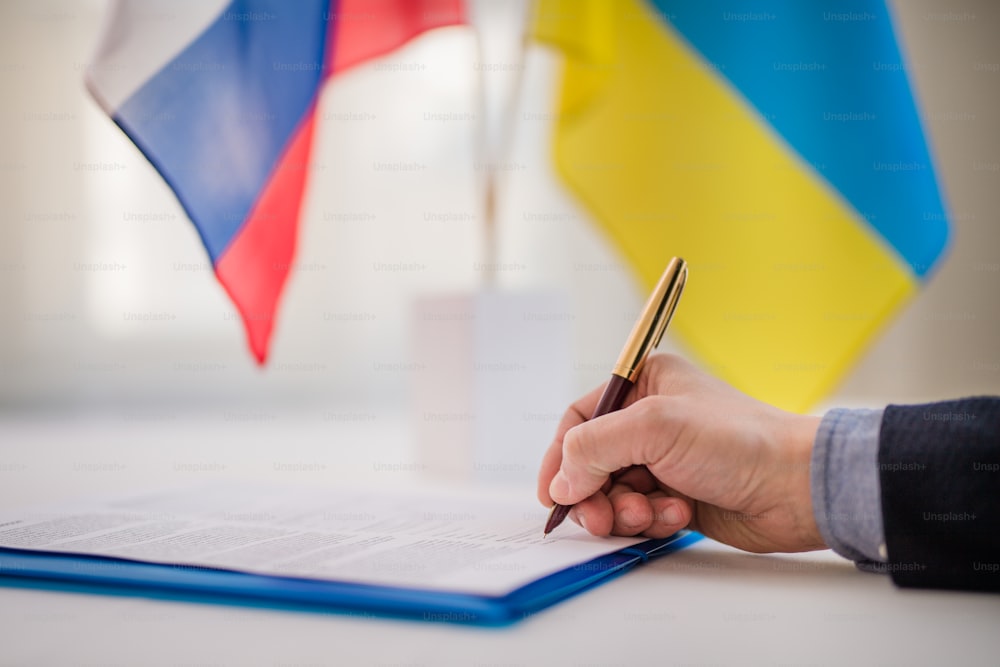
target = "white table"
x: 704, y: 606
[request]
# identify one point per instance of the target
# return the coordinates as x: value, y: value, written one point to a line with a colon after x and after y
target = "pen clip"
x: 652, y: 323
x: 670, y: 303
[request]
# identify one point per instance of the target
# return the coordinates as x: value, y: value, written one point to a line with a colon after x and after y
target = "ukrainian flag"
x: 777, y: 148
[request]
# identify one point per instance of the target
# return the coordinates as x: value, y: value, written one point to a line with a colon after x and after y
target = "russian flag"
x: 221, y: 96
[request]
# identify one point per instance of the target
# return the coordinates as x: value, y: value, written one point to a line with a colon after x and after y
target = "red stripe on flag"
x: 254, y: 267
x: 370, y: 28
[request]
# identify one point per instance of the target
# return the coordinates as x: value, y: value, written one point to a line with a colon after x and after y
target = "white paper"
x: 486, y: 545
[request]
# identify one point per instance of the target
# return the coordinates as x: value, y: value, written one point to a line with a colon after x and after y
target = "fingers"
x: 595, y: 514
x: 595, y: 449
x: 577, y: 414
x: 629, y: 513
x: 633, y: 513
x: 622, y: 512
x: 637, y: 478
x: 669, y: 515
x: 550, y: 465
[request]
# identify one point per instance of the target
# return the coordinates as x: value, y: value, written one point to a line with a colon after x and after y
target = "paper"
x: 472, y: 544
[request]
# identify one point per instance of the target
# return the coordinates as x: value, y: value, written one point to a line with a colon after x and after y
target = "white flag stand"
x: 494, y: 379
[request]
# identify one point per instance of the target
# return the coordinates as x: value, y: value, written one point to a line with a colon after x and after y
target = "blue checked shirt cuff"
x: 846, y: 494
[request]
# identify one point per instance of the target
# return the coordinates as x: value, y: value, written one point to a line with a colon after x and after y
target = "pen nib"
x: 556, y: 517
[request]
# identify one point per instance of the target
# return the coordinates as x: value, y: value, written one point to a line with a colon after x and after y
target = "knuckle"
x: 664, y: 362
x: 649, y: 410
x: 574, y: 445
x: 656, y: 416
x: 579, y: 452
x: 668, y: 373
x: 659, y: 362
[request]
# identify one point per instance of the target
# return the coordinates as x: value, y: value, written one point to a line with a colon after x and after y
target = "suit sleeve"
x: 939, y: 473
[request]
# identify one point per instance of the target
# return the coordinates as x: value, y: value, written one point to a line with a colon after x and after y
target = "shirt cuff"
x: 844, y: 479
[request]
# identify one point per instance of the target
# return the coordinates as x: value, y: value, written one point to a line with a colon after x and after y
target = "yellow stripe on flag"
x: 787, y: 282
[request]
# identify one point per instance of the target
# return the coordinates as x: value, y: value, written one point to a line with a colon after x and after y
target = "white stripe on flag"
x: 139, y: 38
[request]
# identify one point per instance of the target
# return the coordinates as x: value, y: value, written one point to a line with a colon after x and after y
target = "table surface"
x: 706, y: 605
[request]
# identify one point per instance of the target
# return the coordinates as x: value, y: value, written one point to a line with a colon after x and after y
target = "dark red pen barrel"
x: 611, y: 400
x: 613, y: 396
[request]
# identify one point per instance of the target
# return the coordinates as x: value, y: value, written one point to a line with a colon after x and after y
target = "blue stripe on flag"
x: 830, y: 79
x: 216, y: 119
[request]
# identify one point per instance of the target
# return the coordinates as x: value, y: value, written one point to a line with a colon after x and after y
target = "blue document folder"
x: 24, y: 567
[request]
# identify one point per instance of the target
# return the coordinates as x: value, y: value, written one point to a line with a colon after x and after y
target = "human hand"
x: 705, y: 457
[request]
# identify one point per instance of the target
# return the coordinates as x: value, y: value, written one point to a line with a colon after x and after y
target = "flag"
x: 221, y: 96
x: 777, y: 147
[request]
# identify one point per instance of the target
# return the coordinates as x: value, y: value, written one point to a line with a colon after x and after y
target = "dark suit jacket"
x: 939, y: 468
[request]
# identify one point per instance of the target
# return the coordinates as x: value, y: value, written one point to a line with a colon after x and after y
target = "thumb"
x: 595, y: 449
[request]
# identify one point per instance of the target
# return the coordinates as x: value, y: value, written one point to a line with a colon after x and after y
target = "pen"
x: 646, y: 335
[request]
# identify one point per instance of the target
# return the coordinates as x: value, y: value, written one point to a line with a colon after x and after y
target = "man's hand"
x: 698, y: 453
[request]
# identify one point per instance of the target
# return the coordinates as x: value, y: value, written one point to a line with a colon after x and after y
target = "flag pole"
x: 492, y: 157
x: 483, y: 155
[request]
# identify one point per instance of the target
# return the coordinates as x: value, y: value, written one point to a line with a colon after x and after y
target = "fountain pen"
x: 645, y: 336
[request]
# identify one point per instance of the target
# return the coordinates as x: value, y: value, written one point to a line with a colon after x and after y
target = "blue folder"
x: 117, y: 575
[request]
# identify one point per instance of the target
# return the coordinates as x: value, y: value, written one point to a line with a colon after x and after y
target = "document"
x: 479, y: 544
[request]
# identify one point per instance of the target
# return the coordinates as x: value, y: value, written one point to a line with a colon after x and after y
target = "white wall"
x: 65, y: 340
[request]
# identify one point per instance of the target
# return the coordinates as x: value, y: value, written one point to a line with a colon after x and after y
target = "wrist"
x: 800, y: 439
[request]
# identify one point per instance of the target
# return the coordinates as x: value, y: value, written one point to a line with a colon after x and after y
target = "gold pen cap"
x: 649, y: 328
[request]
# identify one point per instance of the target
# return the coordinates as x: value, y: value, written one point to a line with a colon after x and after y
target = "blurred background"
x: 108, y: 304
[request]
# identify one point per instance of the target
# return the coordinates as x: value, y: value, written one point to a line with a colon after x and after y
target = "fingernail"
x: 672, y: 515
x: 559, y: 487
x: 583, y: 521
